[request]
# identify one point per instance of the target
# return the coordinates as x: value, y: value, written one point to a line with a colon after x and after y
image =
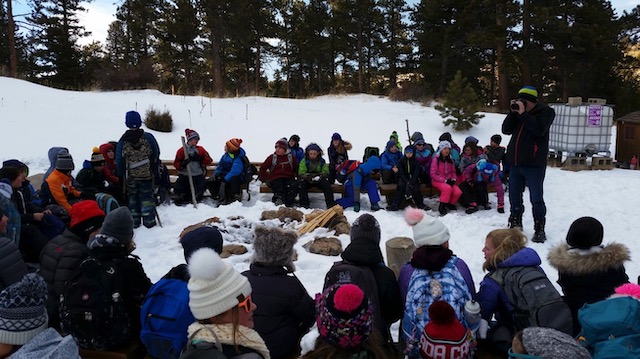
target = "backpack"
x: 370, y: 151
x: 137, y: 157
x: 424, y: 288
x: 106, y: 202
x: 165, y: 317
x: 611, y: 327
x: 362, y: 276
x: 274, y: 160
x: 249, y: 170
x: 535, y: 301
x: 343, y: 171
x: 92, y: 307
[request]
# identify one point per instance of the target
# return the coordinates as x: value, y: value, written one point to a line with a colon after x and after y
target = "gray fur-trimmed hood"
x: 273, y: 247
x: 580, y: 262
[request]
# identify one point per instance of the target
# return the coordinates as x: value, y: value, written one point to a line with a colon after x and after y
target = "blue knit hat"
x: 133, y: 120
x: 203, y: 237
x: 22, y: 311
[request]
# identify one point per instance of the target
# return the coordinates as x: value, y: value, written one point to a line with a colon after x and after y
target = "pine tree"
x: 460, y: 105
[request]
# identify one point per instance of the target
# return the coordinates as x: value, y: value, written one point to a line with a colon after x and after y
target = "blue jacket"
x: 365, y: 169
x: 390, y: 159
x: 297, y: 152
x: 230, y: 165
x: 14, y: 225
x: 492, y: 298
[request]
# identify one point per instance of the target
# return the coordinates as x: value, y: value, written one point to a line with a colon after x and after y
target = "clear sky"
x: 101, y: 13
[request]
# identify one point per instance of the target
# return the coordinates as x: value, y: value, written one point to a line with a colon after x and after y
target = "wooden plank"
x: 335, y: 188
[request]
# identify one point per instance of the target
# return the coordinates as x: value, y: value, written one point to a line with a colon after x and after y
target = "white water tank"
x: 582, y: 129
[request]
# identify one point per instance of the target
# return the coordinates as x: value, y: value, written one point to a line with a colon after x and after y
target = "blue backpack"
x: 165, y: 317
x: 425, y: 287
x: 611, y: 327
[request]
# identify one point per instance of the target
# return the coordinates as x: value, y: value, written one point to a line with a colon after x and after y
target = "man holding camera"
x: 528, y: 123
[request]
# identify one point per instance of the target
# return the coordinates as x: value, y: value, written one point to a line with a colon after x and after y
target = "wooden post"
x: 399, y: 251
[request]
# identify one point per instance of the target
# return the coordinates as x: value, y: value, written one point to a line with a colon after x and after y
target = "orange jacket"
x: 60, y: 187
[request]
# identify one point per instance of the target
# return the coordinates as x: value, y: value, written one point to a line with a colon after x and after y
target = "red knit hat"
x: 282, y: 143
x: 444, y: 334
x: 233, y: 144
x: 191, y: 134
x: 86, y: 217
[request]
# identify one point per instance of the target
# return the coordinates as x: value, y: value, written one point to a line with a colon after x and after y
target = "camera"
x: 514, y: 106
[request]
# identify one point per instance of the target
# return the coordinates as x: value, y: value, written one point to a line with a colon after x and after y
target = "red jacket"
x: 286, y: 166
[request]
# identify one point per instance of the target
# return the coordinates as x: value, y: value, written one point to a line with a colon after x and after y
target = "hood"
x: 390, y: 144
x: 431, y: 258
x: 106, y: 247
x: 372, y: 164
x: 581, y: 262
x: 363, y: 253
x: 5, y: 188
x: 53, y: 155
x: 133, y: 135
x: 525, y: 257
x: 104, y: 149
x: 48, y: 345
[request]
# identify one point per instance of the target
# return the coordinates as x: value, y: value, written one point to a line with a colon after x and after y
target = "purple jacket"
x: 432, y: 258
x: 442, y: 170
x: 492, y: 298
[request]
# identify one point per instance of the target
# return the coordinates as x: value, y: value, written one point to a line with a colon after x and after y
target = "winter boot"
x: 515, y: 220
x: 487, y: 206
x: 392, y: 207
x: 443, y: 209
x: 473, y: 208
x: 500, y: 207
x: 451, y: 206
x: 375, y: 207
x: 538, y: 226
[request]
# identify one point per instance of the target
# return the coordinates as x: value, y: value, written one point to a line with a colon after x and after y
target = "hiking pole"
x: 193, y: 190
x: 155, y: 210
x: 408, y: 133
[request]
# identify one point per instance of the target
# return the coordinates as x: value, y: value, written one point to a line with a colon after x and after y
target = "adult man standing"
x: 528, y: 124
x: 137, y: 157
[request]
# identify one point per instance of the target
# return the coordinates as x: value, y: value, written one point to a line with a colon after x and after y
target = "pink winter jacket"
x: 441, y: 171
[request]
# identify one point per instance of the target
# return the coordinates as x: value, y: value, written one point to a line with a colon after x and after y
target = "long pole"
x: 193, y: 190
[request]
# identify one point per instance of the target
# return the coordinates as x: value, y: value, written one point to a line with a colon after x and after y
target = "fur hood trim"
x: 611, y: 256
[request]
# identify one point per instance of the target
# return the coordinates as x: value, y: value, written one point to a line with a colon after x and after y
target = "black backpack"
x: 369, y: 152
x: 535, y: 300
x: 92, y: 307
x: 248, y: 170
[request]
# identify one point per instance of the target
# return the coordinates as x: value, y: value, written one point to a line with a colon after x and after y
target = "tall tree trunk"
x: 257, y: 65
x: 360, y: 61
x: 526, y: 42
x: 218, y: 86
x: 501, y: 60
x: 13, y: 56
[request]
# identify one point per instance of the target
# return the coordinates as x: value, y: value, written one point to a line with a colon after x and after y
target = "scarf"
x: 245, y: 337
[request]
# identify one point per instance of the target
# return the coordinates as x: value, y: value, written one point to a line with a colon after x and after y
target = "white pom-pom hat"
x: 214, y: 285
x: 427, y: 230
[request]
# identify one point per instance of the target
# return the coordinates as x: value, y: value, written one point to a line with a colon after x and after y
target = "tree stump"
x: 399, y: 251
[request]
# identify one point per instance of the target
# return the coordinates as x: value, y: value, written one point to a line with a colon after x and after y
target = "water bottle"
x: 472, y: 314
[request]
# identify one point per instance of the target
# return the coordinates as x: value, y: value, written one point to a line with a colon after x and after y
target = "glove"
x: 451, y: 181
x: 356, y: 207
x: 409, y: 188
x: 483, y: 328
x: 316, y: 179
x: 184, y: 163
x: 195, y: 157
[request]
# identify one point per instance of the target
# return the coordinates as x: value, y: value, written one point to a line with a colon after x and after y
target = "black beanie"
x: 496, y: 138
x: 584, y: 233
x: 203, y: 237
x: 365, y: 228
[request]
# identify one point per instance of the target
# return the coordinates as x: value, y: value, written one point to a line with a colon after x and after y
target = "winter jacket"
x: 365, y: 170
x: 310, y: 168
x: 366, y: 253
x: 198, y: 168
x: 388, y: 158
x: 109, y: 169
x: 529, y: 143
x: 285, y: 310
x: 246, y: 344
x: 409, y: 170
x: 53, y: 159
x: 432, y: 258
x: 488, y: 176
x: 230, y: 165
x: 59, y: 260
x: 588, y: 276
x: 92, y: 181
x: 442, y: 169
x: 12, y: 267
x: 21, y: 198
x: 297, y: 152
x: 61, y: 187
x: 466, y: 160
x: 495, y: 155
x: 10, y: 210
x: 136, y: 283
x: 339, y: 154
x: 492, y: 298
x: 48, y: 344
x: 132, y: 136
x: 424, y: 157
x: 286, y: 167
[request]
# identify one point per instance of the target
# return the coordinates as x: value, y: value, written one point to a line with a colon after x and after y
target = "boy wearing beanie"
x: 197, y: 159
x: 409, y: 172
x: 363, y: 253
x: 584, y: 261
x: 229, y: 175
x: 279, y: 171
x: 62, y: 255
x: 314, y: 172
x: 60, y: 182
x: 91, y: 177
x: 285, y: 310
x: 220, y: 300
x: 137, y: 159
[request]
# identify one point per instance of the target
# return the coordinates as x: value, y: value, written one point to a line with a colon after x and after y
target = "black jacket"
x: 285, y: 310
x: 59, y: 260
x: 12, y: 267
x: 409, y: 170
x: 529, y: 143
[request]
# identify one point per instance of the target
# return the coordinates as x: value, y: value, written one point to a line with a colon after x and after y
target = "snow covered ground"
x: 34, y: 118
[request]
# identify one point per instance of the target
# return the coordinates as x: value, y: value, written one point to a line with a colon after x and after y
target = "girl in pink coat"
x: 443, y: 178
